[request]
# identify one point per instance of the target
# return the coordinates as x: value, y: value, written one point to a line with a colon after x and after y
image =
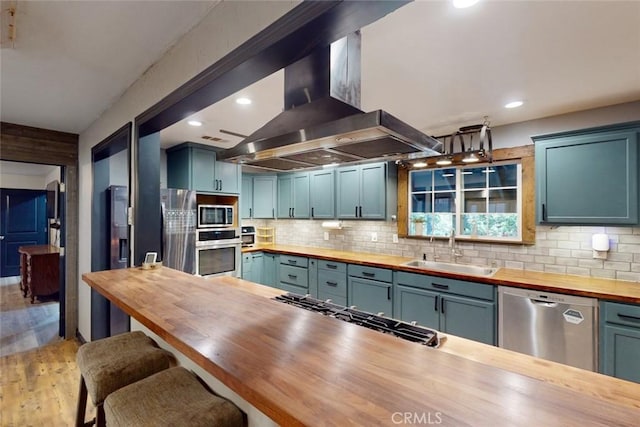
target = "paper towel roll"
x: 600, y: 242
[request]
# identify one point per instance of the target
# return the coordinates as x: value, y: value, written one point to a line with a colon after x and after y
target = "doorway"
x: 30, y: 218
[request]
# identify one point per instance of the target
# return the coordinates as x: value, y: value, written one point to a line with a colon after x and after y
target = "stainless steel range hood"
x: 322, y: 123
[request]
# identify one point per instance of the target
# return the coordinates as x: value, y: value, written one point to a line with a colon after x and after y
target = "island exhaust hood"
x: 322, y: 124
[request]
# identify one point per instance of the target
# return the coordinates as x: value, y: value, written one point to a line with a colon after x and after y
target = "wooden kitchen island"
x: 302, y: 368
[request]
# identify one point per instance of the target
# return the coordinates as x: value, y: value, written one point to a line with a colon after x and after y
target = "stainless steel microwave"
x: 210, y: 216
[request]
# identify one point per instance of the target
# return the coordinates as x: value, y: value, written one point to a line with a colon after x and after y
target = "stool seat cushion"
x: 111, y: 363
x: 174, y: 397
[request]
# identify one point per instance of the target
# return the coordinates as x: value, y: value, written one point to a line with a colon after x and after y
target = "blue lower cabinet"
x: 456, y: 307
x: 252, y: 267
x: 370, y: 295
x: 620, y: 341
x: 269, y: 269
x: 293, y: 274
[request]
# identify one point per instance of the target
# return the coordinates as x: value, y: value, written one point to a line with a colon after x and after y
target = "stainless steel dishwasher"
x: 556, y: 327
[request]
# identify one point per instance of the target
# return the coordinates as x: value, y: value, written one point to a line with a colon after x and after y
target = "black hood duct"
x: 322, y: 122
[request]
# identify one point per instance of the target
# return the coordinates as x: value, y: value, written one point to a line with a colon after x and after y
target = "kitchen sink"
x: 475, y: 270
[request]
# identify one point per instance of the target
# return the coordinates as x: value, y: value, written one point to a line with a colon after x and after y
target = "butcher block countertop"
x: 302, y: 368
x: 608, y: 289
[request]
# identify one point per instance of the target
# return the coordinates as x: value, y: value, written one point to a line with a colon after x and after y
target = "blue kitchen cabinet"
x: 322, y: 194
x: 362, y: 191
x: 457, y: 307
x: 293, y: 195
x: 264, y: 196
x: 246, y: 197
x: 194, y: 167
x: 620, y: 340
x: 370, y: 289
x: 332, y: 281
x: 588, y: 177
x: 293, y: 274
x: 252, y: 266
x: 269, y: 269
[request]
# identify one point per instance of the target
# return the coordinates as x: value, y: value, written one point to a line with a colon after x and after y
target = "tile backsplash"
x: 558, y: 249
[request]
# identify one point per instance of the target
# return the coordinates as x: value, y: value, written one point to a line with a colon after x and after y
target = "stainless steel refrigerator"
x: 178, y: 229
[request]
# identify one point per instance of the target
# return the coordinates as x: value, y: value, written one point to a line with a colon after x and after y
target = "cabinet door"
x: 256, y: 267
x: 468, y: 318
x: 588, y: 178
x: 246, y: 266
x: 269, y: 269
x: 348, y: 192
x: 179, y: 169
x: 300, y: 203
x: 370, y: 295
x: 322, y: 194
x: 285, y: 196
x: 621, y: 352
x: 372, y: 191
x: 203, y: 164
x: 227, y: 177
x: 411, y: 304
x: 264, y: 196
x: 246, y: 197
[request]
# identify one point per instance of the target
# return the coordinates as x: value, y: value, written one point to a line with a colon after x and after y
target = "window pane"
x: 490, y: 225
x: 420, y: 181
x: 440, y: 224
x: 474, y: 178
x: 421, y: 202
x: 504, y: 175
x: 445, y: 202
x: 475, y: 201
x: 445, y: 179
x: 474, y: 224
x: 503, y: 201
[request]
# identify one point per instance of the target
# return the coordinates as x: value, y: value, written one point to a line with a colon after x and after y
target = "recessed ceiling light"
x: 194, y: 123
x: 461, y: 4
x: 513, y: 104
x: 243, y: 101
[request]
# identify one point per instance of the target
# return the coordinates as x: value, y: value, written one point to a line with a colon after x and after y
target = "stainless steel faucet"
x: 455, y: 254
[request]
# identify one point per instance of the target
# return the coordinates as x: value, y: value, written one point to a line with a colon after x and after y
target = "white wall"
x: 23, y: 182
x: 227, y: 26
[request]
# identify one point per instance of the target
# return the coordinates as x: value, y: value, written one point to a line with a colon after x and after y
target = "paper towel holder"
x: 600, y: 245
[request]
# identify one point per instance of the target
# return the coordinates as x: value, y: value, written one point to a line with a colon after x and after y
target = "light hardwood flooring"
x: 38, y: 372
x: 25, y: 326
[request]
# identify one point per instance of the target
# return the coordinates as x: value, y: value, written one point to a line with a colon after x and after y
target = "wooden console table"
x: 39, y: 270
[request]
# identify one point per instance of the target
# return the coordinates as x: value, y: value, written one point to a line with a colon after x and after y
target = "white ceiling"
x: 439, y: 68
x: 436, y: 67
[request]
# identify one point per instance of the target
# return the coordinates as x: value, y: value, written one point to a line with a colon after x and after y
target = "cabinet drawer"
x: 294, y: 275
x: 332, y: 266
x: 372, y: 273
x: 452, y: 286
x: 332, y: 282
x: 622, y: 314
x: 294, y: 260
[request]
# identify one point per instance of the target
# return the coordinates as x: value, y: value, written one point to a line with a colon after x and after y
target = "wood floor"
x: 38, y: 371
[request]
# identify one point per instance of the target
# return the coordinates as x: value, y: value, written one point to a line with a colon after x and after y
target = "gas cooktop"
x: 398, y: 328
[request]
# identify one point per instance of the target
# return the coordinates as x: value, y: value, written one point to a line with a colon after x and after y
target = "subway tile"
x: 524, y: 258
x: 623, y: 275
x: 628, y: 248
x: 630, y: 239
x: 618, y: 266
x: 619, y: 256
x: 541, y: 259
x: 555, y: 235
x: 582, y: 254
x: 562, y: 244
x: 635, y: 267
x: 547, y: 244
x: 566, y: 261
x: 618, y: 230
x: 534, y: 267
x: 555, y: 269
x: 560, y: 252
x: 592, y: 229
x: 518, y: 265
x: 590, y: 263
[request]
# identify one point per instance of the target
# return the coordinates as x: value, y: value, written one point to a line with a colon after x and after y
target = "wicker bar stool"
x: 173, y: 397
x: 109, y: 364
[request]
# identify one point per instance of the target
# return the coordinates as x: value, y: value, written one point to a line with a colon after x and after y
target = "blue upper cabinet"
x: 362, y: 191
x: 246, y: 197
x: 194, y: 167
x: 588, y: 177
x: 264, y: 196
x: 293, y: 195
x: 322, y: 194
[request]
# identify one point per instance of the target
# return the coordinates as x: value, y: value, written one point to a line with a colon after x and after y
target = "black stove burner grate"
x: 375, y: 322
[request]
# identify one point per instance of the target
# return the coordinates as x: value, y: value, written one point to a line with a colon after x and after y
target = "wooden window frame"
x: 525, y: 154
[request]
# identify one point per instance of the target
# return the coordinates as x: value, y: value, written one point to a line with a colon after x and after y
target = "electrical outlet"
x: 326, y: 235
x: 374, y: 237
x: 394, y: 238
